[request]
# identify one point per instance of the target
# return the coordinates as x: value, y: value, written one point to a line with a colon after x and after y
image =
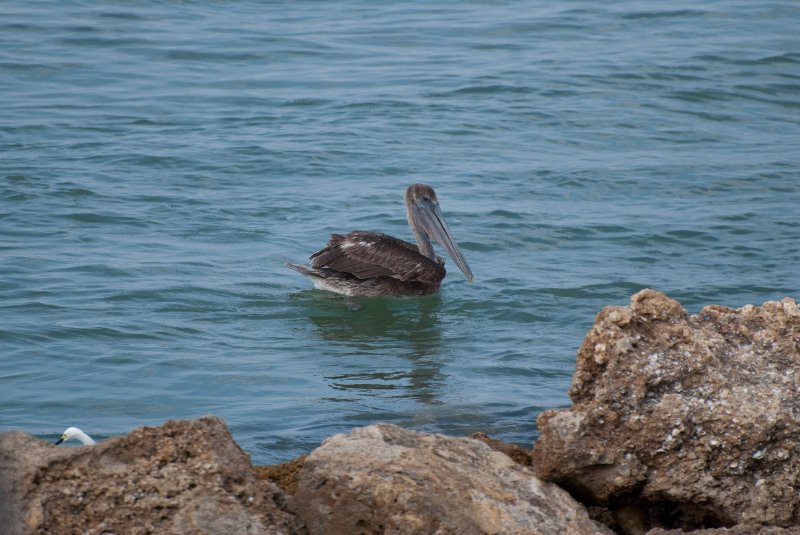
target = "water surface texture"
x: 160, y: 162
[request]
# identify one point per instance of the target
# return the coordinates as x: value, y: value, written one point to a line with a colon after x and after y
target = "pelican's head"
x: 74, y: 432
x: 427, y: 221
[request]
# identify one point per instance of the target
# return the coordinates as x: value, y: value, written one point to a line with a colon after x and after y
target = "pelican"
x: 374, y: 264
x: 74, y: 432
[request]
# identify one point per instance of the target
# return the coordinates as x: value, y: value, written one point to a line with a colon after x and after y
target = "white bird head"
x: 77, y: 434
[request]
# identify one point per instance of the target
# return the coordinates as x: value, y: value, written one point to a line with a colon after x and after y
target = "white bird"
x: 74, y: 432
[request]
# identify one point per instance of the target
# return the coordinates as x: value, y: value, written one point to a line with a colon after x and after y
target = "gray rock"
x: 683, y: 421
x: 384, y: 479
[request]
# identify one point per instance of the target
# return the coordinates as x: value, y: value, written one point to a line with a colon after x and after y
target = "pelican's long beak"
x: 431, y: 219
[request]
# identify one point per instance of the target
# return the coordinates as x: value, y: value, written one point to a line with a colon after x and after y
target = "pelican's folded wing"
x: 370, y: 254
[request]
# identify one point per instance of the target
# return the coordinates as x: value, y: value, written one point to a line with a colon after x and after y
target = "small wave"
x: 505, y: 214
x: 97, y: 218
x: 677, y: 13
x: 493, y: 89
x: 102, y: 270
x: 127, y: 15
x: 789, y: 57
x: 102, y: 42
x: 94, y: 333
x: 306, y: 102
x: 211, y: 57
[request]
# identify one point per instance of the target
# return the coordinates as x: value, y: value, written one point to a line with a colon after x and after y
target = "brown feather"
x: 368, y: 255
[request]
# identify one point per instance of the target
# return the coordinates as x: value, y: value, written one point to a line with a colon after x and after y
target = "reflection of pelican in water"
x: 374, y: 323
x: 387, y: 348
x: 373, y: 264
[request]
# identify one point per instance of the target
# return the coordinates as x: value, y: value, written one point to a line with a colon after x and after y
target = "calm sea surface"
x: 160, y: 162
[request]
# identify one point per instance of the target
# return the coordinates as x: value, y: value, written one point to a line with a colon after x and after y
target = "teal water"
x: 161, y: 161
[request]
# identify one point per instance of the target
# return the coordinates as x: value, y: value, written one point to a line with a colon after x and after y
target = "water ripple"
x: 161, y: 164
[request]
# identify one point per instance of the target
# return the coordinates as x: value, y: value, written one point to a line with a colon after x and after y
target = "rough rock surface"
x: 683, y: 421
x: 384, y: 479
x: 284, y: 475
x: 743, y: 529
x: 519, y: 455
x: 185, y: 477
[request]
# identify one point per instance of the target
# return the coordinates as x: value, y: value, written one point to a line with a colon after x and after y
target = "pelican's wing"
x: 369, y: 254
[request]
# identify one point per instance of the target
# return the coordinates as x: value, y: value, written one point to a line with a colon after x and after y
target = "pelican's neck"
x: 423, y: 241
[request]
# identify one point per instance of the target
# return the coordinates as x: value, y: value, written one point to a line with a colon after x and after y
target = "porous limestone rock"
x: 384, y: 479
x: 743, y: 529
x: 683, y: 421
x: 518, y: 454
x: 185, y: 477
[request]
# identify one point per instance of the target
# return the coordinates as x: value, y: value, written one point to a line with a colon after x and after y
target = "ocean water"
x: 160, y: 162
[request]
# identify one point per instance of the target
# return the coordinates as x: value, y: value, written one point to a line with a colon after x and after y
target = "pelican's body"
x: 77, y: 434
x: 374, y: 264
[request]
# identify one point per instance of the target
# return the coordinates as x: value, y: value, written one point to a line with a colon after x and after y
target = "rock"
x: 185, y: 477
x: 384, y: 479
x: 743, y: 529
x: 683, y: 421
x: 517, y: 454
x: 189, y: 477
x: 284, y: 475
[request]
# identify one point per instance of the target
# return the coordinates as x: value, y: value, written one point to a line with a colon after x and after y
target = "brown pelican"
x: 372, y: 264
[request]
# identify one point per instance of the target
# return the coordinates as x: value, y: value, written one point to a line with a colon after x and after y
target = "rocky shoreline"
x: 680, y: 423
